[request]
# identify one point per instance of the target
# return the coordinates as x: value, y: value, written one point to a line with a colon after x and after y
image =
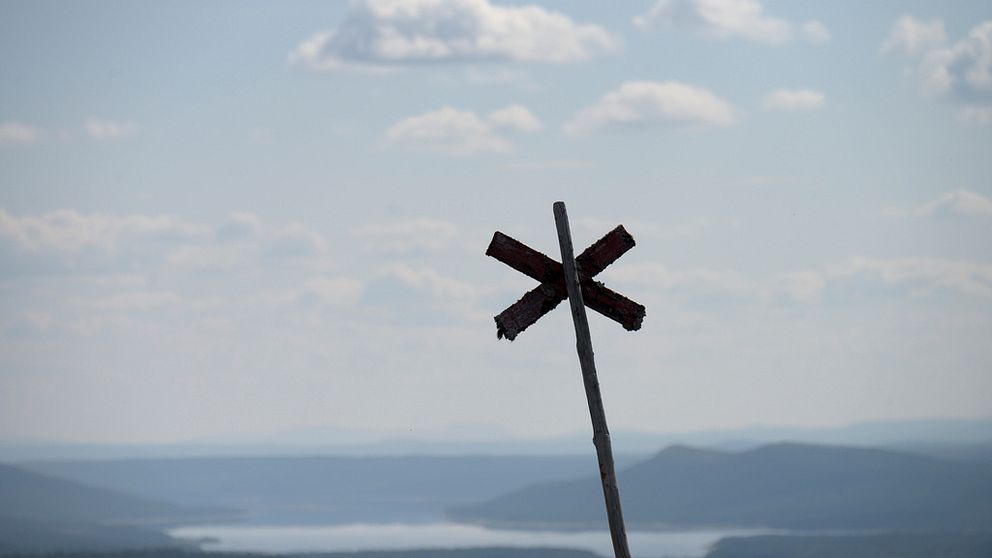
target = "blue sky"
x: 238, y: 219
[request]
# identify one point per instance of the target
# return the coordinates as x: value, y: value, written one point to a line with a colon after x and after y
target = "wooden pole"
x: 583, y: 341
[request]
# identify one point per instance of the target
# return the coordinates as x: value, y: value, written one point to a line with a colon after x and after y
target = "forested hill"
x: 36, y: 497
x: 791, y: 486
x: 39, y: 513
x: 876, y: 545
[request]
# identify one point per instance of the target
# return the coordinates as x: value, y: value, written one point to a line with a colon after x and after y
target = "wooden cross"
x: 545, y: 297
x: 573, y: 279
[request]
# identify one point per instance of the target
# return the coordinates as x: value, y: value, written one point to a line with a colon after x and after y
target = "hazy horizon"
x: 914, y: 435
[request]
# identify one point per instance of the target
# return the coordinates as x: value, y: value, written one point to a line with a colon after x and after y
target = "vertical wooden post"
x: 583, y: 341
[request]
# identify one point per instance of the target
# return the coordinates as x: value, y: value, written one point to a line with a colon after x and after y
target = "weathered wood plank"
x: 536, y: 265
x: 613, y: 305
x: 524, y: 312
x: 523, y: 258
x: 603, y: 252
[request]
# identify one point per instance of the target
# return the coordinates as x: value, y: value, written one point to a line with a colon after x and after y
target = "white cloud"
x: 647, y: 103
x: 295, y: 241
x: 815, y: 32
x: 913, y: 37
x: 515, y: 118
x: 240, y: 225
x: 961, y: 202
x: 963, y: 69
x: 420, y: 295
x: 71, y: 242
x: 261, y: 136
x: 499, y: 75
x: 792, y: 100
x: 430, y: 281
x: 37, y: 321
x: 416, y: 235
x: 70, y: 231
x: 460, y: 132
x: 721, y: 285
x: 550, y: 165
x: 665, y: 278
x: 242, y: 240
x: 137, y: 301
x: 210, y: 257
x: 913, y: 277
x: 976, y: 115
x: 729, y: 19
x: 648, y: 228
x: 18, y: 133
x: 800, y: 286
x: 925, y: 274
x: 105, y: 129
x: 336, y: 291
x: 382, y: 34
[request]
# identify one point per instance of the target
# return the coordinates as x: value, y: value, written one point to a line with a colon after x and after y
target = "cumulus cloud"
x: 70, y: 231
x: 240, y: 225
x: 792, y: 100
x: 800, y: 286
x: 461, y: 132
x: 17, y: 133
x: 913, y: 37
x: 976, y: 115
x: 959, y: 202
x: 141, y: 301
x: 295, y: 241
x: 209, y: 257
x: 913, y: 277
x: 383, y: 34
x: 924, y: 275
x: 69, y: 241
x: 961, y: 70
x: 415, y: 235
x: 722, y: 285
x: 550, y: 165
x: 649, y: 103
x: 101, y: 129
x: 420, y: 295
x: 330, y: 291
x: 648, y: 228
x: 430, y: 281
x: 815, y: 32
x: 665, y: 278
x: 515, y: 118
x: 729, y: 19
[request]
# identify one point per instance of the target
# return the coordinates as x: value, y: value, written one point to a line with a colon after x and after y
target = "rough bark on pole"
x: 601, y: 434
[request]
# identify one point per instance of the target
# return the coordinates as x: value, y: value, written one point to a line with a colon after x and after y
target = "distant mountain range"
x: 788, y: 486
x: 112, y: 504
x: 323, y: 489
x: 925, y: 435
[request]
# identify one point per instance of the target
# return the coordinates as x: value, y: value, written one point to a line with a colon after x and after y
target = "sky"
x: 233, y: 220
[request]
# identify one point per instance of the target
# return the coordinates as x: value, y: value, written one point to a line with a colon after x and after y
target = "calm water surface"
x: 643, y: 544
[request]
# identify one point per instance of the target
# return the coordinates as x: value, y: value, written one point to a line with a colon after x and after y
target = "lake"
x: 643, y: 544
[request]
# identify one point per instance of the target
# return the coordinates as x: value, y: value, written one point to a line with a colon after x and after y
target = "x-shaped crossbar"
x: 545, y: 297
